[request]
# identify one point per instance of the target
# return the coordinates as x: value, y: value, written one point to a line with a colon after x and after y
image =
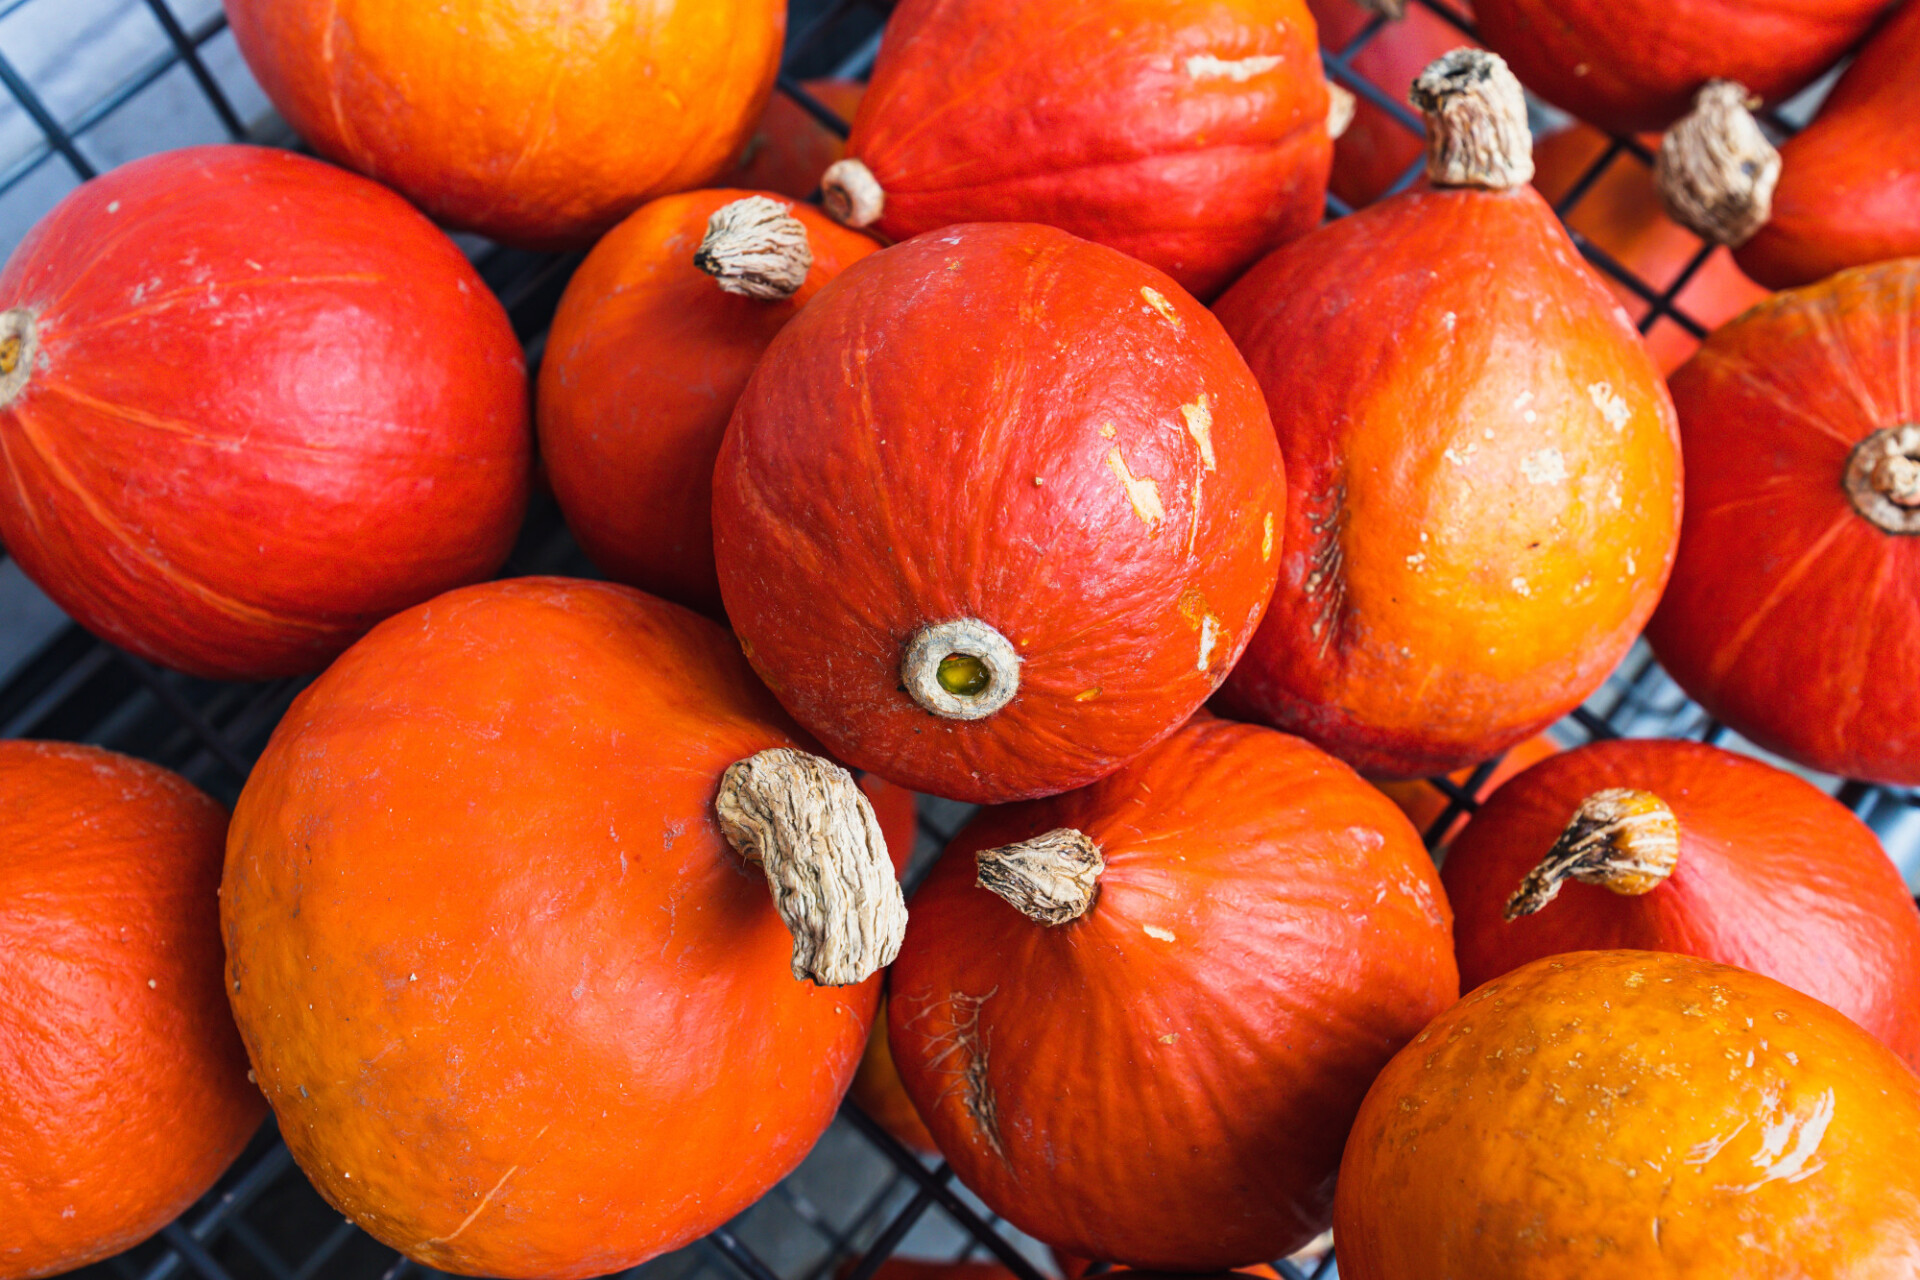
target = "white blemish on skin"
x: 1106, y: 430
x: 1704, y: 1152
x: 1154, y: 931
x: 1633, y: 565
x: 1610, y: 405
x: 1204, y: 66
x: 1417, y: 561
x: 1613, y: 495
x: 1544, y: 467
x: 1449, y: 320
x: 1459, y: 457
x: 114, y: 207
x: 1142, y: 492
x: 1520, y: 585
x: 1193, y: 529
x: 1777, y: 1160
x: 1209, y: 637
x: 1158, y: 301
x: 1200, y: 426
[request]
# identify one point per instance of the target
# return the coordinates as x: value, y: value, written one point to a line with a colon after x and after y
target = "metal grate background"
x: 94, y: 83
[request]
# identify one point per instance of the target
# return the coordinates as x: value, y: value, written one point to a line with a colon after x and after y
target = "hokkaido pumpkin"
x: 519, y: 1007
x: 789, y: 149
x: 1615, y: 1115
x: 250, y: 405
x: 1377, y: 148
x: 1485, y: 481
x: 1190, y: 134
x: 648, y: 353
x: 997, y: 511
x: 123, y: 1087
x: 1793, y: 614
x: 1424, y: 803
x: 540, y: 123
x: 1144, y: 1038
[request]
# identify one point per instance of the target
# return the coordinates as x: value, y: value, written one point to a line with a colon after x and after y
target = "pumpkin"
x: 1377, y: 148
x: 1633, y: 65
x: 1424, y: 803
x: 537, y: 122
x: 651, y: 347
x: 123, y: 1087
x: 1139, y: 1017
x: 251, y: 405
x: 519, y: 1007
x: 1190, y: 134
x: 1621, y: 1114
x: 789, y: 149
x: 1485, y: 481
x: 997, y: 511
x: 1792, y: 614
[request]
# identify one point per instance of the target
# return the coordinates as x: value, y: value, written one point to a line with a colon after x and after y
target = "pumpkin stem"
x: 1716, y: 171
x: 851, y: 194
x: 803, y: 819
x: 756, y: 248
x: 961, y: 670
x: 1341, y: 105
x: 1883, y: 478
x: 19, y: 344
x: 1621, y: 839
x: 1052, y: 878
x: 1476, y: 116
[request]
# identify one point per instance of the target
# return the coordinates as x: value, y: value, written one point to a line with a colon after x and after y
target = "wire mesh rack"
x: 93, y: 83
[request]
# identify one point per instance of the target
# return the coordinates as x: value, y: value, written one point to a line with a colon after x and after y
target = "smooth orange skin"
x: 1423, y: 803
x: 789, y: 149
x: 1790, y: 616
x: 123, y: 1089
x: 1376, y: 148
x: 1170, y: 1077
x: 1081, y: 114
x: 540, y: 123
x: 1472, y: 540
x: 940, y: 435
x: 519, y: 1007
x: 1626, y: 1115
x: 645, y: 361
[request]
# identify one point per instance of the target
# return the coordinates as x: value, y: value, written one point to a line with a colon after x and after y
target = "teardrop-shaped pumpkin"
x: 1154, y: 1056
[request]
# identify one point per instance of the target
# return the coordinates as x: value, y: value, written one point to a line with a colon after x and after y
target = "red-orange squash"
x: 1376, y: 148
x: 123, y: 1087
x: 997, y: 511
x: 647, y: 356
x: 250, y: 405
x: 789, y: 149
x: 1424, y: 803
x: 1794, y: 610
x: 1615, y: 1115
x: 519, y: 1006
x: 1154, y: 1058
x: 1483, y: 471
x: 1675, y: 846
x: 1191, y: 134
x: 537, y: 122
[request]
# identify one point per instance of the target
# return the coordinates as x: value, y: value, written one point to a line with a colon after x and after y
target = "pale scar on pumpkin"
x: 1158, y: 301
x: 484, y: 1201
x: 1204, y: 66
x: 1610, y: 405
x: 1200, y: 426
x: 1266, y: 538
x: 1141, y: 491
x: 962, y: 1054
x: 1193, y: 607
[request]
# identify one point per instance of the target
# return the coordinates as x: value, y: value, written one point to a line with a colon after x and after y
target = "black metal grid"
x: 263, y: 1221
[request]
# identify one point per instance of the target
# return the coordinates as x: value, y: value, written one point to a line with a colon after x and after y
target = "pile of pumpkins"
x: 1115, y: 494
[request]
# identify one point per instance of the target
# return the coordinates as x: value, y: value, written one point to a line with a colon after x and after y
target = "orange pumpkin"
x: 789, y: 149
x: 1423, y: 803
x: 537, y: 122
x: 123, y: 1086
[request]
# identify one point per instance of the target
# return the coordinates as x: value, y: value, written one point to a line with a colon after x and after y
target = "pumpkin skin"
x: 789, y: 149
x: 1633, y: 65
x: 1377, y: 149
x: 1790, y: 616
x: 645, y: 360
x: 538, y: 123
x: 267, y: 405
x: 1267, y: 932
x: 1572, y: 1119
x: 1189, y: 135
x: 124, y: 1094
x: 637, y: 1064
x: 1062, y: 408
x: 1423, y: 803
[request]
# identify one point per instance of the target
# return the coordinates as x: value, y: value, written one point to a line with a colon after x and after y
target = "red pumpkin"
x: 251, y: 405
x: 1632, y: 65
x: 1485, y: 483
x: 1155, y: 1056
x: 124, y: 1085
x: 647, y: 356
x: 519, y: 1007
x: 1191, y: 134
x: 789, y: 149
x: 1377, y: 148
x: 997, y: 511
x: 537, y: 122
x: 1793, y: 614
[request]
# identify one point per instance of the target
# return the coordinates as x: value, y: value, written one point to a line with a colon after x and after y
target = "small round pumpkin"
x: 124, y: 1084
x: 649, y: 351
x: 488, y: 883
x: 1792, y: 614
x: 998, y: 510
x: 789, y: 149
x: 1615, y: 1115
x: 1139, y: 1017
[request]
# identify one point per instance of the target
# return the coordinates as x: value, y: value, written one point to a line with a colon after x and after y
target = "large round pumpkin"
x: 537, y: 122
x: 1616, y: 1115
x: 647, y: 356
x: 1793, y: 614
x: 1191, y: 134
x: 1484, y: 477
x: 1145, y: 1040
x: 250, y: 405
x: 519, y: 1007
x: 123, y: 1087
x: 998, y: 510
